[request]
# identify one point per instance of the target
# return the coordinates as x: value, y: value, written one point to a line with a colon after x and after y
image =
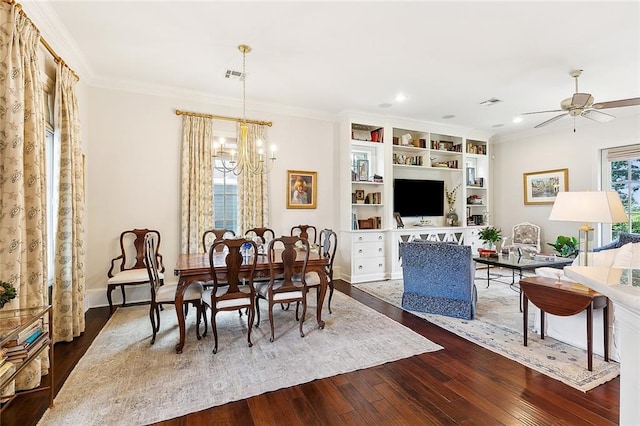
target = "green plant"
x: 566, y: 246
x: 7, y: 292
x: 490, y: 234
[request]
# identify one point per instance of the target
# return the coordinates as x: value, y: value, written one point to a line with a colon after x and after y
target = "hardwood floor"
x: 463, y: 384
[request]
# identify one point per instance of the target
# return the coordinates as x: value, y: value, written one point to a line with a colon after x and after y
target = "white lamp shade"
x: 588, y: 206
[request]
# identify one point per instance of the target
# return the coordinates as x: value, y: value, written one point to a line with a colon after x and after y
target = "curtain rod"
x: 222, y: 117
x: 46, y: 45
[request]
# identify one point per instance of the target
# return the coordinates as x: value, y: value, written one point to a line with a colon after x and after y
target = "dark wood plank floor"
x: 463, y: 384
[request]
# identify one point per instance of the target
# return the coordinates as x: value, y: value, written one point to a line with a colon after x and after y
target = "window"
x: 52, y: 173
x: 621, y: 173
x: 225, y: 195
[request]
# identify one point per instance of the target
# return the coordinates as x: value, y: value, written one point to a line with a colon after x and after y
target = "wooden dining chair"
x: 166, y: 293
x: 229, y: 292
x: 307, y: 232
x: 214, y: 235
x: 265, y: 234
x: 327, y: 249
x: 284, y: 287
x: 128, y: 269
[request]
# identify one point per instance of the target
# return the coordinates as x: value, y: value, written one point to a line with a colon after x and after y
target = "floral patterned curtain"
x: 253, y: 205
x: 69, y: 284
x: 197, y: 187
x: 22, y: 172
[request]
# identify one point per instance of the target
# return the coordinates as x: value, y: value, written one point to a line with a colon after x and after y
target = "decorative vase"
x: 452, y: 218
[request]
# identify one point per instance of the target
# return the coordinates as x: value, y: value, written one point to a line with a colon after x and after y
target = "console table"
x: 622, y: 286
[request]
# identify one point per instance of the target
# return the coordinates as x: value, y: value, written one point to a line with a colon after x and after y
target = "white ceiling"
x: 330, y: 57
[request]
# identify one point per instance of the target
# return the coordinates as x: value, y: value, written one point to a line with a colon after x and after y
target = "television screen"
x: 412, y: 197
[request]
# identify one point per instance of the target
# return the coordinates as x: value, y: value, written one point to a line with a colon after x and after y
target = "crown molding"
x: 55, y: 33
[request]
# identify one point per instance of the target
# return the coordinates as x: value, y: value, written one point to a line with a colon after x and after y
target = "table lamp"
x: 588, y: 206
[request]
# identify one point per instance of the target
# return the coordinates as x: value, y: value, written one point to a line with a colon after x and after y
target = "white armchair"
x: 525, y: 236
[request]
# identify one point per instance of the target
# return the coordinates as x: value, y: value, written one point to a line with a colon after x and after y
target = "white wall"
x: 550, y: 149
x: 133, y: 174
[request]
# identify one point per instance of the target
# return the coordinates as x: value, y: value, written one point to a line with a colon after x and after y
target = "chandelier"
x: 246, y: 155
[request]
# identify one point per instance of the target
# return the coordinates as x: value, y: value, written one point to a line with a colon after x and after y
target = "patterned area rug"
x: 498, y: 327
x: 123, y: 378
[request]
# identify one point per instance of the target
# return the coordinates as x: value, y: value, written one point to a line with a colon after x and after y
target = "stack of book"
x: 26, y: 343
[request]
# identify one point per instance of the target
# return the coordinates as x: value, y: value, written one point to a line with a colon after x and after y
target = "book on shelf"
x: 19, y: 356
x: 26, y: 334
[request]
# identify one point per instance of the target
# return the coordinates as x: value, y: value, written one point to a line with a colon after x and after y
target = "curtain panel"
x: 22, y: 172
x: 253, y: 205
x: 196, y: 203
x: 69, y: 284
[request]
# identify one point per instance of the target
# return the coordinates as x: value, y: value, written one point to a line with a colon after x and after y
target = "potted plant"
x: 490, y: 235
x: 566, y: 246
x: 7, y: 293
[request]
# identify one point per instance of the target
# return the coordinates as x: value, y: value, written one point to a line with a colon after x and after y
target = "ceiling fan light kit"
x: 582, y: 105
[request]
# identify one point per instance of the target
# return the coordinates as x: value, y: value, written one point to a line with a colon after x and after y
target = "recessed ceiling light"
x: 385, y: 105
x: 497, y: 125
x: 400, y: 97
x: 448, y: 116
x: 517, y: 119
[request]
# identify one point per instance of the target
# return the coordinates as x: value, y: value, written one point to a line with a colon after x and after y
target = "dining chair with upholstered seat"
x: 327, y: 249
x: 307, y: 232
x: 265, y: 234
x: 166, y: 293
x: 128, y: 269
x: 229, y: 291
x: 288, y: 286
x: 214, y: 235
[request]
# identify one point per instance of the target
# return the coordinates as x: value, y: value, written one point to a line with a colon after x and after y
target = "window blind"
x: 622, y: 153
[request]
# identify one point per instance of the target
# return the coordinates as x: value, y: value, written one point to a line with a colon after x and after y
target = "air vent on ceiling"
x: 490, y: 102
x: 236, y: 75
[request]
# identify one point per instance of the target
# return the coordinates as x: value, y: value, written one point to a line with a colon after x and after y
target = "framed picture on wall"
x: 543, y: 187
x: 302, y: 187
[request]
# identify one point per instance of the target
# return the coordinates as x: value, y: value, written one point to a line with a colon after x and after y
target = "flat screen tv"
x: 413, y: 197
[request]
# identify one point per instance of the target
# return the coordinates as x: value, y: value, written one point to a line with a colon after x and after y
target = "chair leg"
x: 204, y: 316
x: 124, y: 299
x: 304, y: 314
x: 215, y: 330
x: 257, y: 309
x: 154, y: 316
x: 330, y: 296
x: 271, y: 322
x: 110, y: 288
x: 251, y: 318
x: 198, y: 319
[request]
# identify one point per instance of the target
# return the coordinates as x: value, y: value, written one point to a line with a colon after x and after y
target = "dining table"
x: 192, y: 267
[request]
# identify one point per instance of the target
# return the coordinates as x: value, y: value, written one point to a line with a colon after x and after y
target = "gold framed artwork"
x: 543, y: 187
x: 302, y: 189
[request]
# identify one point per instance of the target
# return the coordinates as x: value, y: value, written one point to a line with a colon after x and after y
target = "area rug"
x: 123, y: 378
x: 498, y: 327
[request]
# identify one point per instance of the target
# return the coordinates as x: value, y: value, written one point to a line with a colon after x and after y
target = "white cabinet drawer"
x: 368, y: 265
x: 365, y: 237
x: 371, y: 249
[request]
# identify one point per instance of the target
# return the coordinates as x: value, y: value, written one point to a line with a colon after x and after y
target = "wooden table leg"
x: 605, y: 316
x: 541, y: 324
x: 179, y: 301
x: 525, y: 316
x: 590, y: 337
x: 322, y: 291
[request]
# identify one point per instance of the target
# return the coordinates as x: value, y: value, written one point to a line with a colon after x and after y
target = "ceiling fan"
x: 581, y: 104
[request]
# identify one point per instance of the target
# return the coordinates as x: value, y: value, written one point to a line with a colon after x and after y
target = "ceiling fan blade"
x: 617, y: 104
x: 600, y: 117
x: 551, y: 120
x: 541, y: 112
x: 581, y: 100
